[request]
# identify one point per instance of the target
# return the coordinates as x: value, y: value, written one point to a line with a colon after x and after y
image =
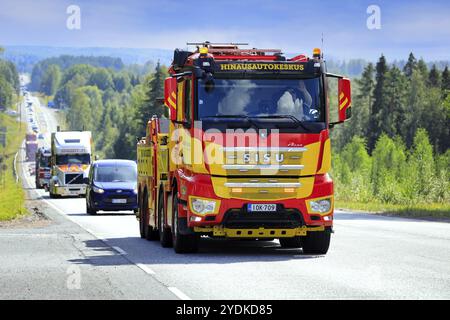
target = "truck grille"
x: 74, y: 178
x: 282, y: 218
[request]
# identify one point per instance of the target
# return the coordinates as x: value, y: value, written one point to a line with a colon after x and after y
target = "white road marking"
x: 145, y: 268
x: 119, y: 250
x: 179, y: 293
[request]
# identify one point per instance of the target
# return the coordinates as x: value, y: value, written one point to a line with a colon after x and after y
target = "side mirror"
x: 170, y: 97
x: 345, y: 99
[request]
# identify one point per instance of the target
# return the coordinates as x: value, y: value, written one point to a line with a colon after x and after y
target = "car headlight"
x: 97, y: 190
x: 135, y: 191
x: 203, y: 206
x: 320, y: 205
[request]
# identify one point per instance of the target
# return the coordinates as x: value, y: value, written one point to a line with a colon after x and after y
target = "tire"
x: 317, y: 242
x: 182, y: 243
x: 165, y: 236
x: 147, y: 231
x: 294, y: 242
x: 89, y: 209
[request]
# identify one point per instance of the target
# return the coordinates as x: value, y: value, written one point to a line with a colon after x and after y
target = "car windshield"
x: 115, y: 174
x: 299, y: 98
x: 73, y: 159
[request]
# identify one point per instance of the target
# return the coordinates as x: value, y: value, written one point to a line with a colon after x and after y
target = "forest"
x: 9, y: 83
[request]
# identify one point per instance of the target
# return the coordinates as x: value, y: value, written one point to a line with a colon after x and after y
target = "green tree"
x: 422, y: 159
x: 416, y: 98
x: 363, y: 99
x: 50, y: 80
x: 434, y: 77
x: 150, y: 105
x: 388, y: 165
x: 392, y: 116
x: 445, y: 79
x: 121, y: 82
x: 410, y: 66
x: 422, y: 68
x: 379, y: 103
x: 353, y: 171
x: 6, y: 93
x: 79, y: 115
x: 102, y: 79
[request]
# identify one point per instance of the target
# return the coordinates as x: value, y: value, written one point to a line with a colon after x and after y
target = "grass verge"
x: 426, y: 210
x: 12, y: 196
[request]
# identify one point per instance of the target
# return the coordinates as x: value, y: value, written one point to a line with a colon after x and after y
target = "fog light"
x: 196, y: 219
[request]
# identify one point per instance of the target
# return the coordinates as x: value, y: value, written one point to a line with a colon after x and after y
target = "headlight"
x: 97, y: 190
x: 135, y: 191
x: 203, y: 206
x: 320, y: 206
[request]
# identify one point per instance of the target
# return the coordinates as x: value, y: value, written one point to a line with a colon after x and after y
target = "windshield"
x: 73, y: 159
x: 116, y: 174
x: 261, y: 98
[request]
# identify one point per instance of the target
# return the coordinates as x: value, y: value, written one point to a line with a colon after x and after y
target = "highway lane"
x: 371, y: 257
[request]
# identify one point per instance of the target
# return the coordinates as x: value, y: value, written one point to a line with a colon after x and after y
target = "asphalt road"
x: 371, y: 257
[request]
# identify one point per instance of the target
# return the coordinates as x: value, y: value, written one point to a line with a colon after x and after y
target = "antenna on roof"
x: 321, y: 49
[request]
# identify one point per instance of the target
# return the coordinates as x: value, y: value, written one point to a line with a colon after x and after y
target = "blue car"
x: 111, y: 186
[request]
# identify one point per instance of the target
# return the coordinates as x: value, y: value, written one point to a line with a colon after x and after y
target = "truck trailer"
x: 71, y: 156
x: 245, y: 152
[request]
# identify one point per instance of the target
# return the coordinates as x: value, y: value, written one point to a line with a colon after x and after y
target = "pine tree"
x: 392, y: 117
x: 422, y: 68
x: 150, y: 106
x: 410, y: 65
x: 363, y: 99
x: 434, y: 78
x: 445, y: 79
x: 415, y: 106
x: 379, y: 103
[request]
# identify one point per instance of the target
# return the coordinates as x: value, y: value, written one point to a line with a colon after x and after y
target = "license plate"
x: 261, y: 207
x: 119, y: 200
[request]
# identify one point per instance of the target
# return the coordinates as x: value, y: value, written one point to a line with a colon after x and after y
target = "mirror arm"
x: 333, y: 75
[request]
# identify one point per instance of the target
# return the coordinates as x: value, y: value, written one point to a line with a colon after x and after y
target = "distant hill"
x: 25, y: 57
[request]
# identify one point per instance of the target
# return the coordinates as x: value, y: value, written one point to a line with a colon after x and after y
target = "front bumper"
x: 293, y: 215
x: 72, y: 190
x: 105, y: 201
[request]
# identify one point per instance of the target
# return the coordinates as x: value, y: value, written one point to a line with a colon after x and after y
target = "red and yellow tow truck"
x: 245, y: 152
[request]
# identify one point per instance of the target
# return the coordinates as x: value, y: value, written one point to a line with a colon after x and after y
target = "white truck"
x: 70, y: 162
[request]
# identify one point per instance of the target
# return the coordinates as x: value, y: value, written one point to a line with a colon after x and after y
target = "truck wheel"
x: 294, y: 242
x: 147, y: 231
x: 165, y: 236
x: 182, y: 243
x: 317, y: 242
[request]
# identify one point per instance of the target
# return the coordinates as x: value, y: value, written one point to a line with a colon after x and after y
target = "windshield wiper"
x: 240, y: 116
x: 287, y: 116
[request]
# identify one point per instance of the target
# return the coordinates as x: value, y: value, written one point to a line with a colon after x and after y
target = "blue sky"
x: 294, y: 26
